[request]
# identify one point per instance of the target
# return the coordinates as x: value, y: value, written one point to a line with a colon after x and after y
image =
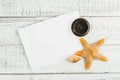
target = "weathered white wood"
x: 104, y: 27
x: 62, y: 77
x: 77, y: 77
x: 9, y: 26
x: 107, y: 27
x: 111, y: 52
x: 15, y: 77
x: 12, y: 55
x: 9, y: 39
x: 28, y: 8
x: 13, y: 60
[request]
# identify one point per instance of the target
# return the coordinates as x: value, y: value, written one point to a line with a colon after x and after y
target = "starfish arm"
x: 79, y: 53
x: 101, y: 57
x: 89, y: 60
x: 84, y: 42
x: 75, y: 58
x: 100, y: 42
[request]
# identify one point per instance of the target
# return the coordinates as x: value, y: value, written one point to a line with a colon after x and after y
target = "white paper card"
x: 50, y: 41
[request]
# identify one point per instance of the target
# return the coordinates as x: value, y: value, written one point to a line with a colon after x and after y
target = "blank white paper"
x: 50, y: 41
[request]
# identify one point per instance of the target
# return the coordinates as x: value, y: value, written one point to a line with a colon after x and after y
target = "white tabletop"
x: 104, y: 19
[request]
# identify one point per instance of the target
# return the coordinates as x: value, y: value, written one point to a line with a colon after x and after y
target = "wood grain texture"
x: 104, y: 18
x: 12, y: 58
x: 107, y: 27
x: 9, y: 40
x: 27, y: 8
x: 15, y: 61
x: 62, y: 77
x: 111, y: 52
x: 15, y: 77
x: 77, y: 77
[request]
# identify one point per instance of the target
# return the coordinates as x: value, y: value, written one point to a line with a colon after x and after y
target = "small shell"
x: 75, y: 58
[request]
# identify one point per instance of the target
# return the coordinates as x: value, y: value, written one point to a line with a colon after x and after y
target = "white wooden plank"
x: 12, y: 55
x: 78, y: 77
x: 9, y: 26
x: 13, y: 59
x: 111, y: 52
x: 104, y: 27
x: 62, y: 77
x: 107, y: 27
x: 56, y: 7
x: 15, y: 77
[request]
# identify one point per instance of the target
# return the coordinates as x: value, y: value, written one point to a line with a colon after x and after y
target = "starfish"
x: 90, y: 53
